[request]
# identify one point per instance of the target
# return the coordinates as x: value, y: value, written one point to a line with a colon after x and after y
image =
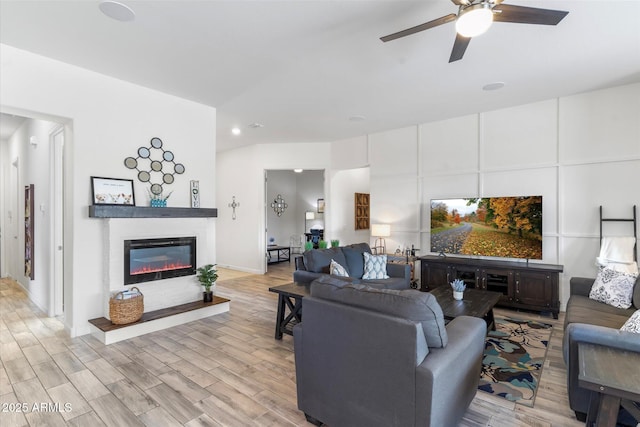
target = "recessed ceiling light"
x: 356, y: 119
x: 298, y: 170
x: 493, y: 86
x: 117, y: 11
x: 236, y: 131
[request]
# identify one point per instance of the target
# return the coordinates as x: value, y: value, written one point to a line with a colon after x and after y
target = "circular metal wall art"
x: 152, y: 165
x: 279, y: 205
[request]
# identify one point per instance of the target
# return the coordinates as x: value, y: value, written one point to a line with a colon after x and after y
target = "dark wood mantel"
x: 109, y: 211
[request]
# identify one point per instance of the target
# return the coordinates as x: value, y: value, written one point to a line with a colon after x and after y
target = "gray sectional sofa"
x: 314, y: 264
x: 595, y: 322
x: 381, y: 357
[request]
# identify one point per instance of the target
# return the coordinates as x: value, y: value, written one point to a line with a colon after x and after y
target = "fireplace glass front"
x: 146, y: 260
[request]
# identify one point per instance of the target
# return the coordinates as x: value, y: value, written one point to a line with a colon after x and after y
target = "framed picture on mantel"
x: 112, y: 191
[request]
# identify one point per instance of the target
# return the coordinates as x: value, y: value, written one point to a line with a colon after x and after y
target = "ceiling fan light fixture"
x: 474, y: 20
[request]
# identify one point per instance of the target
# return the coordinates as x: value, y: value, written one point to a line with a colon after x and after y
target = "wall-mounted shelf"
x: 108, y: 211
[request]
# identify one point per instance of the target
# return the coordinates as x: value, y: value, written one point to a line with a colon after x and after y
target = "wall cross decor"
x: 234, y: 205
x: 150, y: 164
x: 279, y: 205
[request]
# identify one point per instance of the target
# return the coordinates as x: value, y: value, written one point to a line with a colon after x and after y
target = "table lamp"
x: 380, y: 231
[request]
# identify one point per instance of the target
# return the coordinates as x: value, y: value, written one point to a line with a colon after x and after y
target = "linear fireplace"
x: 146, y: 260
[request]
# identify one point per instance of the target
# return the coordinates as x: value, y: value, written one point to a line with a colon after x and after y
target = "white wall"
x: 310, y: 187
x: 109, y: 120
x: 394, y: 159
x: 241, y: 242
x: 344, y: 185
x: 578, y: 152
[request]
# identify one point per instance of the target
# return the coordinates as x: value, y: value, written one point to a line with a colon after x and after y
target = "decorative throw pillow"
x: 375, y: 266
x: 337, y: 270
x: 632, y: 324
x: 613, y: 287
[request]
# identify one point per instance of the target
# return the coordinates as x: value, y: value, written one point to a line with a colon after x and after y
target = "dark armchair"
x: 358, y: 364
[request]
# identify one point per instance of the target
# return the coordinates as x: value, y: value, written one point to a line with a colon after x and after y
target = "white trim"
x: 56, y: 224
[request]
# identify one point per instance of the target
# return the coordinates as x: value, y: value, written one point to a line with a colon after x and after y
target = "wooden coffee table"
x: 474, y: 303
x: 289, y: 296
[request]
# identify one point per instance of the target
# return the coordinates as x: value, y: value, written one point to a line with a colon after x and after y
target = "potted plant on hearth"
x: 207, y: 276
x: 458, y: 286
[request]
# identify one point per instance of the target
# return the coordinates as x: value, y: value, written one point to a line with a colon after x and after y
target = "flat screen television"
x: 506, y: 227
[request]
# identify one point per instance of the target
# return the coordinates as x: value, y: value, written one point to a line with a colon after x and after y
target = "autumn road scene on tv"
x: 509, y: 227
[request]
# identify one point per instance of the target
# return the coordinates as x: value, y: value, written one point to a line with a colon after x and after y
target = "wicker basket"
x: 123, y: 311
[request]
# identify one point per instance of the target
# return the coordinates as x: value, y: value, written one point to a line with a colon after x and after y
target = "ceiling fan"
x: 474, y: 17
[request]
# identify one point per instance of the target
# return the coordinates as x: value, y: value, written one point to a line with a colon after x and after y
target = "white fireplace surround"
x: 160, y: 293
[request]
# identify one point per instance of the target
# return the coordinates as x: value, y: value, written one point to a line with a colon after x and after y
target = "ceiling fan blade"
x: 459, y: 47
x: 421, y: 27
x: 527, y: 15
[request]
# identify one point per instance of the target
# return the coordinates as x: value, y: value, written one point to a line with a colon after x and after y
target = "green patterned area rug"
x: 513, y: 358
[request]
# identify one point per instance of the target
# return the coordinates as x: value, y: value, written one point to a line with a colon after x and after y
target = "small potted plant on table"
x: 207, y: 276
x: 458, y: 289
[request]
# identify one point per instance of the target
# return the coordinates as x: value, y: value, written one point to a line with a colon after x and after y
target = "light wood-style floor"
x: 226, y: 370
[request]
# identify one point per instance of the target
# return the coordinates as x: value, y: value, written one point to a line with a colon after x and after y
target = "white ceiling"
x: 303, y: 67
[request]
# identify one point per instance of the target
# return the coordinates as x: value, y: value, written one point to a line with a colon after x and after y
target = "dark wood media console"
x: 522, y: 285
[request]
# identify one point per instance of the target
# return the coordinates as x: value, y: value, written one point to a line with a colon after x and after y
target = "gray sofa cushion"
x: 355, y: 262
x: 336, y: 281
x: 399, y: 283
x: 407, y: 304
x: 355, y: 259
x: 318, y: 260
x: 362, y: 247
x: 581, y: 309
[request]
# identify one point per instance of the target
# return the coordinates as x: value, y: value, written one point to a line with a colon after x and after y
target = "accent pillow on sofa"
x: 337, y: 270
x: 375, y: 266
x: 407, y: 304
x: 613, y: 287
x: 633, y: 324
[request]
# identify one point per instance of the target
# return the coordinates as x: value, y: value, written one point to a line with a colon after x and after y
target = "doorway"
x: 287, y: 219
x: 35, y: 155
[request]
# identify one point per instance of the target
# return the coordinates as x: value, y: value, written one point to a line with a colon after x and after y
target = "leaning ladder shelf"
x: 633, y: 220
